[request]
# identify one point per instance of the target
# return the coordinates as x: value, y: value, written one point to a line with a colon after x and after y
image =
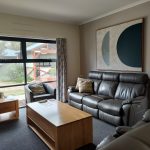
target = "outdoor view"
x: 13, y: 73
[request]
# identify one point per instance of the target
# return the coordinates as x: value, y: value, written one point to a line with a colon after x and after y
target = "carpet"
x: 16, y: 135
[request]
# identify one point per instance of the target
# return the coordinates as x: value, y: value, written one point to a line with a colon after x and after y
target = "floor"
x: 16, y: 135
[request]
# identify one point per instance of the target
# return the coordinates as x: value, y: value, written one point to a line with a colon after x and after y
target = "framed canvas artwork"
x: 120, y: 47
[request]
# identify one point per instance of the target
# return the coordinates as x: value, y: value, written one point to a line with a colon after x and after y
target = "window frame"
x: 24, y: 59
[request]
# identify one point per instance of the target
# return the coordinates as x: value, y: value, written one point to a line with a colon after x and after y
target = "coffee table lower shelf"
x: 42, y: 134
x: 8, y: 116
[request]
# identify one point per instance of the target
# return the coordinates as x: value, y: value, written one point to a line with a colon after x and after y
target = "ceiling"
x: 67, y: 11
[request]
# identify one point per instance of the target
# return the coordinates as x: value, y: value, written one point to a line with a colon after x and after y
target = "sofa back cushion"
x: 107, y: 88
x: 109, y: 84
x: 131, y: 85
x: 110, y: 76
x: 138, y: 78
x: 119, y: 85
x: 96, y: 77
x: 96, y: 84
x: 129, y: 90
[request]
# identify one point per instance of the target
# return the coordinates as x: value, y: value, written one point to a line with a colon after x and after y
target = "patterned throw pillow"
x: 79, y: 80
x: 37, y: 88
x: 86, y: 86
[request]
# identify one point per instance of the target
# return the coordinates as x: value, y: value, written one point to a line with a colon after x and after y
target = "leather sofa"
x: 118, y: 98
x: 31, y: 97
x: 129, y: 138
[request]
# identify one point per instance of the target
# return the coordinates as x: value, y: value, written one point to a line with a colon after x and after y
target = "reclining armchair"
x: 135, y: 137
x: 44, y: 91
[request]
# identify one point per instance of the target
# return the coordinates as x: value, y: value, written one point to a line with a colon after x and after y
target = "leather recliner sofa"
x: 129, y: 138
x: 118, y: 98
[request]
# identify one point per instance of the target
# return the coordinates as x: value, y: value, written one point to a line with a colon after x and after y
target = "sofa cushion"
x: 115, y: 120
x: 92, y: 111
x: 111, y: 106
x: 129, y: 90
x: 104, y: 97
x: 96, y: 84
x: 37, y: 88
x: 91, y: 100
x: 41, y: 97
x: 77, y: 97
x: 49, y: 88
x: 79, y: 80
x: 85, y: 87
x: 134, y: 78
x: 95, y: 75
x: 110, y: 76
x: 108, y: 88
x: 74, y: 104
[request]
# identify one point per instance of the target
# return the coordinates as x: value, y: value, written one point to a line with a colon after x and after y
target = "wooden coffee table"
x: 59, y: 125
x: 9, y: 110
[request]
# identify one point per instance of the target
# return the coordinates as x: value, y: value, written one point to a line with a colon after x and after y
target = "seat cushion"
x: 77, y: 97
x: 111, y: 119
x: 111, y: 106
x: 42, y: 96
x: 74, y: 104
x: 92, y: 100
x: 92, y: 111
x: 104, y: 97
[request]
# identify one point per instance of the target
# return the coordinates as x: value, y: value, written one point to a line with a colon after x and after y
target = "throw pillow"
x: 80, y: 80
x: 37, y: 88
x: 86, y: 86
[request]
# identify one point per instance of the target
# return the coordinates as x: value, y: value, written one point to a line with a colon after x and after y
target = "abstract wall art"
x: 120, y: 47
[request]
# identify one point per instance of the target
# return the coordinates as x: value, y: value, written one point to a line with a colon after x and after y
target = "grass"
x: 15, y: 91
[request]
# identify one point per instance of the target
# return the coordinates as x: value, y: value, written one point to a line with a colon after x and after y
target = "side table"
x: 9, y: 110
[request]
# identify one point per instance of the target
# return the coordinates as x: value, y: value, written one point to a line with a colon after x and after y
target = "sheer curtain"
x: 61, y: 70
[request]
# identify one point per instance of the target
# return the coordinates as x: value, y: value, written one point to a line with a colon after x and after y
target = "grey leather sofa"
x: 118, y: 98
x: 129, y: 138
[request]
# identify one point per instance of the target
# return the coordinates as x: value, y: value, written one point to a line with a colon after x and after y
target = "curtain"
x: 61, y: 67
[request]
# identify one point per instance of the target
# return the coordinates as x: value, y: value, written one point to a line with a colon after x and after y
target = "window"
x: 10, y: 50
x: 25, y: 61
x: 11, y: 74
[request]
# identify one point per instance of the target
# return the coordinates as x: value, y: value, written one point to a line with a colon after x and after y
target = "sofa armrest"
x: 72, y: 89
x: 136, y: 100
x: 120, y: 130
x: 146, y: 116
x: 28, y: 94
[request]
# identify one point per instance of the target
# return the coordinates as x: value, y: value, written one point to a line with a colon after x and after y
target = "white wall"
x: 88, y: 35
x: 11, y: 25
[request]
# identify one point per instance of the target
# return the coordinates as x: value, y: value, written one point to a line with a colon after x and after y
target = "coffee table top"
x: 3, y: 100
x: 57, y: 113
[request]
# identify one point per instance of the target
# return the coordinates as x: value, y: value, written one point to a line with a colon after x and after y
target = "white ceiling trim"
x: 115, y: 11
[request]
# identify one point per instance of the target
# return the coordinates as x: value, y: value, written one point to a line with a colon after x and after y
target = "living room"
x: 81, y: 51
